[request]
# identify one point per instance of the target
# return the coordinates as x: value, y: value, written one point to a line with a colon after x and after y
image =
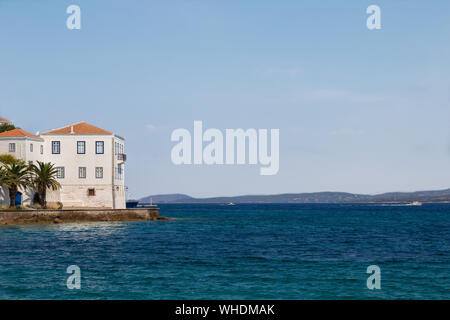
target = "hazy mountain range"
x: 316, y: 197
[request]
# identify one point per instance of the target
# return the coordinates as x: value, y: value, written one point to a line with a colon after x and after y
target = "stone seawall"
x: 12, y: 217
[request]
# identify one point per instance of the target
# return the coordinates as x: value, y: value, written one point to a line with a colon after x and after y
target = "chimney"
x: 71, y: 130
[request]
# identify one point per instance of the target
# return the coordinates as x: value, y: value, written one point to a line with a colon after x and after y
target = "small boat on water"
x: 230, y: 204
x: 132, y: 204
x: 415, y: 203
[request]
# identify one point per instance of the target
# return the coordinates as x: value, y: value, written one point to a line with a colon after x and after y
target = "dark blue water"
x: 236, y: 252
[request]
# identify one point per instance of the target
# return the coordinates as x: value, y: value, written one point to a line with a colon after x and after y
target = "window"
x: 81, y: 147
x: 82, y: 172
x: 60, y: 172
x: 118, y: 172
x: 116, y: 148
x: 56, y: 147
x: 12, y: 147
x: 99, y: 172
x: 99, y: 147
x: 42, y: 149
x: 31, y: 147
x: 91, y: 192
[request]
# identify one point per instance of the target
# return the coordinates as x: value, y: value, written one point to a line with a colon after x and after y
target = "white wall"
x: 36, y: 153
x: 109, y: 190
x: 23, y: 152
x: 74, y: 190
x: 27, y: 196
x: 4, y: 197
x: 119, y: 179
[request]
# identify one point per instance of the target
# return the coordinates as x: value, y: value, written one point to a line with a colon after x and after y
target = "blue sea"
x: 263, y: 251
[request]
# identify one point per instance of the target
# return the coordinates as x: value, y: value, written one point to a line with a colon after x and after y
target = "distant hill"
x: 317, y: 197
x: 166, y: 198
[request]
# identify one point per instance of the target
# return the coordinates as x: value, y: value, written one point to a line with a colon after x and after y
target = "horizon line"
x: 287, y: 193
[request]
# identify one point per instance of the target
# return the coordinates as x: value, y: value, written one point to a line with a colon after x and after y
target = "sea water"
x: 248, y: 251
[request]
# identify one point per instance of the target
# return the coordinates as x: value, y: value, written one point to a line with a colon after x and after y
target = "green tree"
x: 17, y: 175
x: 43, y: 178
x: 8, y: 159
x: 6, y: 127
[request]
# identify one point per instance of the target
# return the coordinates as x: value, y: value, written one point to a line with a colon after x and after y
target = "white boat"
x: 415, y: 203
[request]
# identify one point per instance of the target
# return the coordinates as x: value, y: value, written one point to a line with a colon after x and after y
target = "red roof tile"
x: 5, y: 120
x: 79, y: 128
x: 18, y: 133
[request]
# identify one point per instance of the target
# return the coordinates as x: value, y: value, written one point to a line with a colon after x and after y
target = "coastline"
x: 16, y: 217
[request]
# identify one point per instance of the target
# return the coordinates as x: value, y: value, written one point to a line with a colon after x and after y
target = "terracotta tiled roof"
x: 5, y: 120
x: 78, y: 128
x: 18, y: 133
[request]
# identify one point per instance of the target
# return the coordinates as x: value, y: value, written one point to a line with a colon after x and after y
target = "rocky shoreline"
x: 14, y: 217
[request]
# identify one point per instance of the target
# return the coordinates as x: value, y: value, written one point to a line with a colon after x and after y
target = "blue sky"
x: 358, y: 110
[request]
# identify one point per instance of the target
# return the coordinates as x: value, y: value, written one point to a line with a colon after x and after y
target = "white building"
x: 5, y: 121
x: 90, y: 163
x: 22, y: 145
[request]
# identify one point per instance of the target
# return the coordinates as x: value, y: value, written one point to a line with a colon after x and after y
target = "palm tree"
x: 8, y: 159
x: 2, y: 176
x: 17, y: 175
x: 43, y: 177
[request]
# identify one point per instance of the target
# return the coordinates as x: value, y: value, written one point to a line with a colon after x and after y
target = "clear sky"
x: 358, y: 110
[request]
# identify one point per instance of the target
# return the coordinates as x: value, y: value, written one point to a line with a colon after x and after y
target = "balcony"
x: 121, y: 157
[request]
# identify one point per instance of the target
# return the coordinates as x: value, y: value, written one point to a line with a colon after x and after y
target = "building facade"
x: 90, y: 164
x: 22, y: 145
x: 5, y: 121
